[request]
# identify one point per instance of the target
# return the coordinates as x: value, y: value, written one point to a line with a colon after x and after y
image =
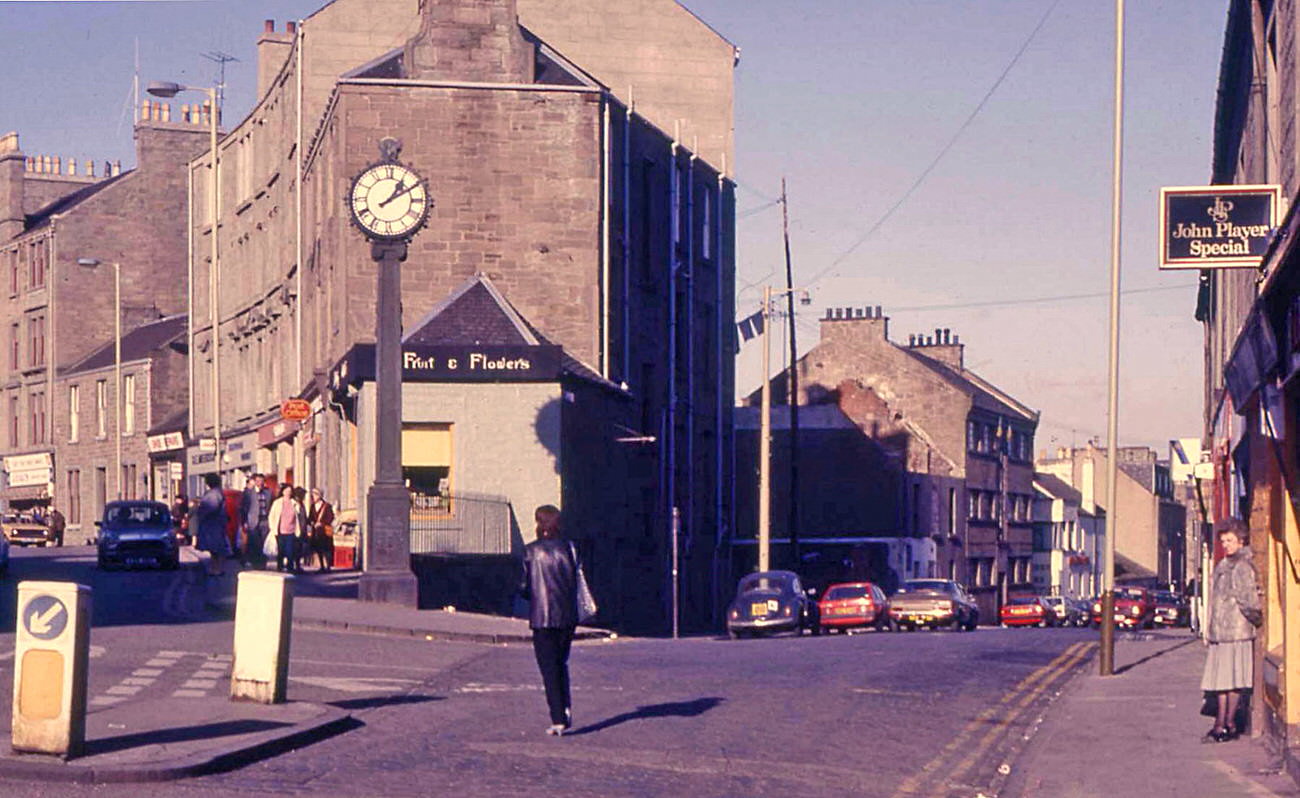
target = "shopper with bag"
x: 287, y: 521
x: 554, y: 583
x: 1234, y: 615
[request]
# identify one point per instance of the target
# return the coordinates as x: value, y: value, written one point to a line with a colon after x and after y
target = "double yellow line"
x: 994, y: 720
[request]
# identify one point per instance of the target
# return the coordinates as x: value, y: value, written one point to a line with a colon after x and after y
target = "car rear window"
x: 847, y: 592
x: 1128, y: 593
x: 1022, y: 600
x: 919, y: 585
x: 142, y: 515
x: 764, y: 582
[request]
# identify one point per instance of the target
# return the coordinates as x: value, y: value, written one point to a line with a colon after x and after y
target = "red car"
x: 851, y: 605
x: 1134, y: 607
x: 1027, y: 610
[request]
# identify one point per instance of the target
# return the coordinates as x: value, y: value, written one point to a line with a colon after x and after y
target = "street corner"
x: 171, y: 739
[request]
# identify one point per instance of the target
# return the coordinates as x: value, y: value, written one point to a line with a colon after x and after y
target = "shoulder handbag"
x: 586, y: 602
x: 1254, y: 616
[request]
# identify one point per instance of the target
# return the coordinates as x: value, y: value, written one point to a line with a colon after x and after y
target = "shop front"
x: 29, y: 483
x: 166, y: 466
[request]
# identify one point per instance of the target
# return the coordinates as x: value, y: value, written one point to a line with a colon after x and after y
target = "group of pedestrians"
x: 287, y: 528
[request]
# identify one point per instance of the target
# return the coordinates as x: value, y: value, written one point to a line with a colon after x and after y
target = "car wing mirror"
x: 99, y: 523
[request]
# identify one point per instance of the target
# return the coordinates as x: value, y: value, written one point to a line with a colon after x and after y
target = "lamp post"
x: 168, y: 89
x: 91, y: 263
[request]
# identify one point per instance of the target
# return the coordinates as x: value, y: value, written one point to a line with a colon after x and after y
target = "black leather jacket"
x: 550, y: 584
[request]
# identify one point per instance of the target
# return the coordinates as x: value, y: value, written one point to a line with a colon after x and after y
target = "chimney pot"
x: 291, y: 28
x: 947, y: 333
x: 117, y: 167
x: 938, y: 335
x: 880, y: 314
x: 954, y: 340
x: 848, y: 313
x: 58, y: 165
x: 269, y: 26
x: 166, y: 111
x: 90, y: 168
x: 72, y: 165
x: 911, y: 340
x: 830, y: 313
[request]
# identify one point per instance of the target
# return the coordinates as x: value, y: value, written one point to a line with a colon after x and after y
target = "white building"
x: 1067, y: 540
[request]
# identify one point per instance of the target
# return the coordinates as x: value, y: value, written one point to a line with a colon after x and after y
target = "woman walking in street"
x: 550, y: 583
x: 1234, y: 615
x: 287, y: 521
x: 211, y: 516
x: 320, y: 520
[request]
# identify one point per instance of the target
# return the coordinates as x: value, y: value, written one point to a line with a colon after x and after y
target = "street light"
x: 169, y: 89
x: 91, y: 263
x: 765, y: 432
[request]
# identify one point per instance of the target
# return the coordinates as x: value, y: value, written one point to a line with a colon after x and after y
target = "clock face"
x: 389, y: 201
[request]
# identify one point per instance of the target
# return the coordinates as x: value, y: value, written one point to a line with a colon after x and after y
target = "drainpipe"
x: 674, y: 234
x: 627, y: 239
x: 690, y: 350
x: 605, y: 164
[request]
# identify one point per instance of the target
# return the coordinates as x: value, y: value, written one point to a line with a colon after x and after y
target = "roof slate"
x: 137, y: 344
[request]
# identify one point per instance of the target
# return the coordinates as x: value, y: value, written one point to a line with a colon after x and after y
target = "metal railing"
x: 460, y: 523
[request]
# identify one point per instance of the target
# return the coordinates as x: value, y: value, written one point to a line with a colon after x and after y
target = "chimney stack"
x: 272, y: 51
x: 12, y: 175
x: 474, y: 40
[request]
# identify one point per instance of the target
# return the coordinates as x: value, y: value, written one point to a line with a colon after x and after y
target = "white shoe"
x: 556, y: 729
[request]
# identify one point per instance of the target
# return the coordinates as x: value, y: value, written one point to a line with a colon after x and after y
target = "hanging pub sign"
x: 1217, y: 227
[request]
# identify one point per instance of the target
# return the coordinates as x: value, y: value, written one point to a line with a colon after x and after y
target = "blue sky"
x: 850, y: 100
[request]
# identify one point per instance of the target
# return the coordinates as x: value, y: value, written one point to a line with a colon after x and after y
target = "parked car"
x: 933, y: 603
x: 1068, y: 611
x: 772, y: 601
x: 854, y: 605
x: 1171, y: 609
x: 21, y: 529
x: 1134, y: 608
x: 1084, y: 607
x: 136, y: 533
x: 4, y: 554
x: 1027, y: 610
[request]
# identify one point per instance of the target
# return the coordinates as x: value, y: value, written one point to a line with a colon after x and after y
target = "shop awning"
x: 25, y: 493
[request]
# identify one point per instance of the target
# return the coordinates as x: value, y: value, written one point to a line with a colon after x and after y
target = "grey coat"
x: 1233, y: 587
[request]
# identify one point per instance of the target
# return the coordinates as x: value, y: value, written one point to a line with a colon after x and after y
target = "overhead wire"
x: 925, y: 173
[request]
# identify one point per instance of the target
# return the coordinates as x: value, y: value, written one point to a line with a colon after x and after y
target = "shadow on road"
x: 1153, y: 655
x: 672, y: 709
x: 180, y: 734
x: 374, y: 702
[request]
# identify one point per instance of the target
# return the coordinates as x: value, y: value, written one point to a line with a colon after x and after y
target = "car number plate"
x: 844, y: 610
x: 136, y: 560
x: 758, y: 608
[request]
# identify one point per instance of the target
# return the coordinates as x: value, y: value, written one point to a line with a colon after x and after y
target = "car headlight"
x: 735, y: 614
x: 788, y: 611
x: 1135, y: 610
x: 1096, y: 607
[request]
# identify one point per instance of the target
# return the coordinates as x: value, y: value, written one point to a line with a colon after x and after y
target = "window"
x: 15, y: 351
x: 36, y: 262
x: 13, y: 271
x: 74, y: 413
x: 972, y: 436
x: 36, y: 417
x: 973, y: 505
x: 426, y: 464
x: 36, y: 341
x: 127, y: 488
x: 706, y: 233
x: 13, y: 421
x: 128, y: 404
x: 101, y: 408
x: 74, y: 496
x: 952, y: 512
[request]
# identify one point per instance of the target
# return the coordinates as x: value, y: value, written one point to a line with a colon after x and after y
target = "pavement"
x: 1138, y: 733
x: 166, y: 739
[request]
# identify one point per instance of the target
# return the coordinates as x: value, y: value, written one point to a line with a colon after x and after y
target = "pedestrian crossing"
x: 187, y: 674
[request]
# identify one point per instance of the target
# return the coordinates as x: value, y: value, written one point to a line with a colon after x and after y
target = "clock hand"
x: 397, y: 190
x: 401, y: 189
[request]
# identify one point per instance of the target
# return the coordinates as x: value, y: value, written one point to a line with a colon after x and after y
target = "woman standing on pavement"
x: 320, y: 520
x: 1234, y: 614
x: 550, y: 583
x: 287, y: 521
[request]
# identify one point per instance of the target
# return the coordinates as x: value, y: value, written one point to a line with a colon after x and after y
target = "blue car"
x: 136, y: 533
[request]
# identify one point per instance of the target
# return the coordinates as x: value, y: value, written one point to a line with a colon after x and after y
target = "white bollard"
x: 51, y: 652
x: 263, y: 616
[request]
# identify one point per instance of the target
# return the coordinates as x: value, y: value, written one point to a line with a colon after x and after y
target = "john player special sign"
x: 1216, y: 227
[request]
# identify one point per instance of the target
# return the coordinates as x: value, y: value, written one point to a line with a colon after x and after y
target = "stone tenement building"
x: 960, y: 453
x: 57, y: 312
x: 579, y: 183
